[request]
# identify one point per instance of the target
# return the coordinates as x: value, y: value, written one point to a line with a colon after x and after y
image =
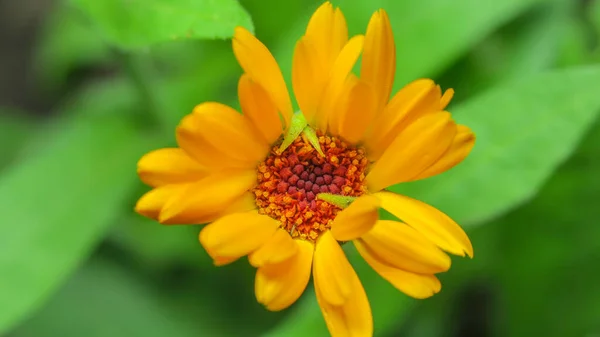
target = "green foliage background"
x: 75, y: 260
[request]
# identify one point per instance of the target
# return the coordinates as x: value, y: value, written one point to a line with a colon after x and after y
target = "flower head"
x: 287, y: 189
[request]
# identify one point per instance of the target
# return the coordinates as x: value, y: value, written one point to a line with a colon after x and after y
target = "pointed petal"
x: 415, y: 100
x: 360, y: 109
x: 309, y: 77
x: 459, y: 150
x: 260, y: 65
x: 415, y: 149
x: 237, y: 235
x: 258, y: 108
x: 151, y: 204
x: 338, y: 74
x: 435, y: 225
x: 331, y: 270
x: 352, y: 318
x: 328, y: 33
x: 207, y: 198
x: 401, y: 246
x: 277, y: 286
x: 279, y: 248
x: 414, y: 285
x: 169, y: 166
x: 223, y: 130
x: 357, y: 219
x: 378, y: 64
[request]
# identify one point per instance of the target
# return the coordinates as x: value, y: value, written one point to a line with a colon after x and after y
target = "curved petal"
x: 279, y: 248
x: 216, y: 132
x: 204, y: 200
x: 358, y: 108
x: 415, y: 149
x: 169, y: 166
x: 309, y: 77
x: 446, y: 98
x: 237, y: 235
x: 415, y: 100
x: 277, y: 286
x: 435, y: 225
x: 414, y: 285
x: 378, y: 64
x: 357, y: 219
x: 338, y: 74
x: 151, y: 204
x: 260, y: 65
x: 258, y: 108
x: 401, y: 246
x: 331, y: 270
x: 328, y: 33
x: 459, y: 150
x: 353, y: 317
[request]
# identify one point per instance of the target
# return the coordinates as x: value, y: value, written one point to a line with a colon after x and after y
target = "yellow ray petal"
x: 435, y: 225
x: 237, y: 234
x: 151, y: 203
x: 338, y: 74
x: 328, y: 33
x: 401, y: 246
x: 309, y: 77
x: 353, y: 318
x: 331, y: 270
x: 378, y: 64
x: 277, y: 286
x: 203, y: 200
x: 446, y: 98
x: 415, y: 149
x: 357, y: 219
x: 169, y: 166
x: 260, y: 65
x: 224, y: 130
x: 360, y: 109
x: 279, y: 248
x: 459, y: 149
x: 414, y: 285
x: 258, y: 108
x: 415, y: 100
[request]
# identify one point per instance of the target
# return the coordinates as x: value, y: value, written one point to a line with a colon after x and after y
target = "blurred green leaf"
x: 124, y: 302
x: 16, y: 128
x: 67, y: 43
x: 57, y: 201
x: 135, y: 23
x: 524, y: 129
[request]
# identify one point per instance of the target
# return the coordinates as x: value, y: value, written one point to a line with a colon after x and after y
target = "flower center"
x: 290, y: 182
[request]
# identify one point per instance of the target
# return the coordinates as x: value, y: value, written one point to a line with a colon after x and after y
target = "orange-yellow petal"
x: 279, y: 248
x: 260, y: 65
x: 435, y: 225
x: 360, y: 109
x: 216, y: 132
x: 308, y: 77
x: 356, y: 219
x: 378, y: 64
x: 169, y: 166
x: 353, y: 318
x: 258, y: 108
x: 446, y: 98
x: 339, y: 72
x: 237, y: 235
x: 419, y: 146
x: 151, y: 204
x: 459, y: 149
x: 277, y: 286
x: 331, y: 270
x: 401, y: 246
x: 415, y: 100
x: 328, y: 33
x: 200, y: 202
x: 414, y: 285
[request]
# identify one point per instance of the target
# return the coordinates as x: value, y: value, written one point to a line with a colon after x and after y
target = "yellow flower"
x: 288, y: 194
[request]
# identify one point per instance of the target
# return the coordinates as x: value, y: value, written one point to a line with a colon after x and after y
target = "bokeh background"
x: 88, y: 86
